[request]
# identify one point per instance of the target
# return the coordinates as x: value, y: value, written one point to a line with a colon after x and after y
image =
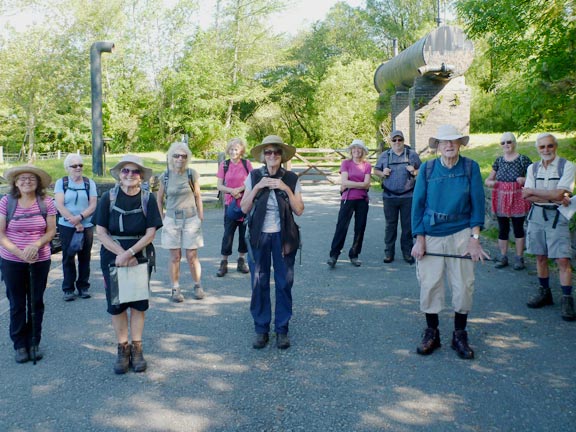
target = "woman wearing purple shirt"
x: 355, y: 176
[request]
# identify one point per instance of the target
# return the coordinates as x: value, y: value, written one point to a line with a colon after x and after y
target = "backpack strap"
x: 144, y: 198
x: 536, y: 165
x: 467, y: 167
x: 11, y: 209
x: 166, y: 174
x: 85, y: 180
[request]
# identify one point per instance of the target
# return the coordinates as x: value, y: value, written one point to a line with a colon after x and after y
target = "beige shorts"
x: 182, y: 233
x: 432, y: 270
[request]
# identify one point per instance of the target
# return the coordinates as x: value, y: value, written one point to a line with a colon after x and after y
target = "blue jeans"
x: 392, y: 208
x: 69, y: 261
x: 228, y: 239
x: 270, y: 250
x: 358, y: 208
x: 20, y: 279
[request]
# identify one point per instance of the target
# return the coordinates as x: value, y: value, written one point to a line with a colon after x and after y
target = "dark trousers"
x: 69, y: 260
x: 22, y: 280
x: 228, y: 238
x: 394, y: 209
x: 269, y: 251
x: 504, y: 227
x: 358, y: 208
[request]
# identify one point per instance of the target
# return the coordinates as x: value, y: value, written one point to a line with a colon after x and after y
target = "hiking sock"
x: 544, y: 282
x: 566, y: 290
x: 460, y: 321
x: 432, y: 320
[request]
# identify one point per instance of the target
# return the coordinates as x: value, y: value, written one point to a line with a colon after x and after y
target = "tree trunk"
x: 30, y: 131
x: 235, y: 63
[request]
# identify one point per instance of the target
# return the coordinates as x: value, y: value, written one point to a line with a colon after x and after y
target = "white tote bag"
x: 129, y: 284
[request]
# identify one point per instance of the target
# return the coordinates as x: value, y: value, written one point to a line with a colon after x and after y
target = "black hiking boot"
x: 430, y: 341
x: 460, y: 345
x: 567, y: 307
x: 541, y: 299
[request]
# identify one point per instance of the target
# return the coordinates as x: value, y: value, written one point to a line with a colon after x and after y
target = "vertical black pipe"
x: 96, y: 84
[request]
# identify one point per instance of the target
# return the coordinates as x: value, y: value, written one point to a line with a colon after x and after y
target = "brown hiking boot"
x: 541, y: 299
x: 430, y: 341
x: 242, y: 267
x: 123, y: 359
x: 137, y: 357
x: 460, y: 345
x: 567, y: 307
x: 223, y: 268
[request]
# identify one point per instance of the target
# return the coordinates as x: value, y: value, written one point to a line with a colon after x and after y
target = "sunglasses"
x: 398, y: 140
x: 180, y: 156
x: 127, y: 171
x: 506, y: 142
x: 76, y: 166
x: 546, y: 146
x: 272, y: 152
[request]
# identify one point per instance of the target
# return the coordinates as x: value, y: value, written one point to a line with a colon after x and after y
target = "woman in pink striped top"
x: 27, y: 225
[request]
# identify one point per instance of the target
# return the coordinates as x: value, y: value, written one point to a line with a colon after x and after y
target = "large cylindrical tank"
x: 444, y: 53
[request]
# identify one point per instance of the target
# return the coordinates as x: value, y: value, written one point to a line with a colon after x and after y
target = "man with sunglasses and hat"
x: 549, y: 184
x: 398, y: 168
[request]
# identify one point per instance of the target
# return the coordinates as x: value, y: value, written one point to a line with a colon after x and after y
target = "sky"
x: 301, y: 13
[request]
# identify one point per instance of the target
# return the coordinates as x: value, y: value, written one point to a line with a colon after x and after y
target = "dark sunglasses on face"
x: 506, y: 142
x: 76, y: 166
x: 398, y: 140
x: 546, y: 146
x: 127, y: 171
x: 272, y: 152
x: 179, y: 156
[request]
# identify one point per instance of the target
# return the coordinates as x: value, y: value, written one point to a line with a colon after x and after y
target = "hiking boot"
x: 502, y: 262
x: 223, y: 268
x: 409, y: 259
x: 123, y: 359
x: 567, y: 307
x: 541, y: 299
x: 36, y: 351
x: 69, y: 296
x: 198, y: 292
x: 355, y: 262
x: 430, y: 341
x: 460, y: 345
x: 242, y: 267
x: 21, y: 355
x: 388, y: 259
x: 519, y: 263
x: 332, y: 262
x: 282, y: 341
x: 83, y: 293
x: 177, y: 296
x: 260, y: 341
x: 137, y: 357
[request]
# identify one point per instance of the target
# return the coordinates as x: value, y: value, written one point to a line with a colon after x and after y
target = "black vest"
x: 289, y: 231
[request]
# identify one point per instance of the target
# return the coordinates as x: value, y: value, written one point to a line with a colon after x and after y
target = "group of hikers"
x: 440, y: 205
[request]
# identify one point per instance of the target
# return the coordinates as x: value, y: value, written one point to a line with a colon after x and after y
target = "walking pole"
x: 32, y: 314
x: 453, y: 256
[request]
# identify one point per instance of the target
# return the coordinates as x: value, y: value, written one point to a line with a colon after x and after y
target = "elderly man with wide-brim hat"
x: 447, y: 216
x: 549, y: 182
x: 271, y: 198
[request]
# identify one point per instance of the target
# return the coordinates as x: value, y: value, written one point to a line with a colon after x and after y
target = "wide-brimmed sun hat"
x: 288, y: 151
x: 14, y: 172
x: 447, y: 133
x: 357, y: 143
x: 145, y: 174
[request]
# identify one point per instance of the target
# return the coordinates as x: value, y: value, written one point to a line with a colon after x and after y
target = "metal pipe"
x: 96, y: 86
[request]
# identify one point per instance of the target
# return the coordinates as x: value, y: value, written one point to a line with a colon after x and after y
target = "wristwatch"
x: 475, y: 236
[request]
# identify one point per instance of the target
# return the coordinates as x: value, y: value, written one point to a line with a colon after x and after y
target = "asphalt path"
x: 352, y: 365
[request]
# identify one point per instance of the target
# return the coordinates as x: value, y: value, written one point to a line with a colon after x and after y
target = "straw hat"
x: 288, y: 151
x: 12, y: 173
x: 447, y: 133
x: 133, y: 159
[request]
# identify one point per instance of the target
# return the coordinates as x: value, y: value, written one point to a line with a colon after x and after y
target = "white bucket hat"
x: 447, y: 133
x: 358, y: 143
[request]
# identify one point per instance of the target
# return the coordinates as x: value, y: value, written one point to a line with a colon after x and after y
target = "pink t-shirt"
x: 25, y: 231
x: 356, y: 173
x: 235, y: 177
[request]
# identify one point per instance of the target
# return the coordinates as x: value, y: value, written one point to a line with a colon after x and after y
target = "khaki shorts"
x: 432, y: 270
x: 542, y: 239
x: 182, y: 233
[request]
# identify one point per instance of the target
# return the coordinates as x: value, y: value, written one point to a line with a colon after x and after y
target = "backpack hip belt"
x: 182, y: 213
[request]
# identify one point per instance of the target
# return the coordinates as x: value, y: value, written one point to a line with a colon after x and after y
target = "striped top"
x: 25, y: 231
